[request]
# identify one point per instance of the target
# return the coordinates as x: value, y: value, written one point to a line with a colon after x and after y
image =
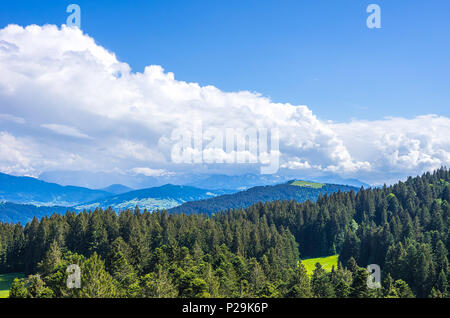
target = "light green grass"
x: 4, y: 293
x: 326, y: 262
x: 6, y: 281
x: 307, y: 184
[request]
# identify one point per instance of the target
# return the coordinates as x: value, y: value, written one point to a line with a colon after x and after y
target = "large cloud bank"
x: 66, y: 103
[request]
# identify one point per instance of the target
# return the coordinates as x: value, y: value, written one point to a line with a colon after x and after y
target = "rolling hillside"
x: 24, y: 213
x: 299, y: 191
x: 164, y: 197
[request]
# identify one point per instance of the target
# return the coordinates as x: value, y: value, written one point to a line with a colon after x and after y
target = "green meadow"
x: 5, y: 283
x: 307, y: 184
x: 326, y: 262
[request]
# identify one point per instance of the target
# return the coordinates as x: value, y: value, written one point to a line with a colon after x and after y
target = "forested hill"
x: 299, y: 191
x: 26, y: 190
x: 252, y: 252
x: 24, y: 213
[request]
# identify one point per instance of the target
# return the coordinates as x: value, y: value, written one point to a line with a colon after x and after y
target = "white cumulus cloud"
x: 65, y: 130
x: 86, y: 110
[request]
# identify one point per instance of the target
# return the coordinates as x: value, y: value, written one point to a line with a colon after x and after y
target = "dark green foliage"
x: 359, y: 287
x: 321, y: 283
x: 263, y: 194
x: 251, y: 252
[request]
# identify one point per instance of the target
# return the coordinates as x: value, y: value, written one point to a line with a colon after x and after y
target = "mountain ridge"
x: 28, y: 190
x: 117, y: 189
x: 163, y: 197
x: 285, y: 191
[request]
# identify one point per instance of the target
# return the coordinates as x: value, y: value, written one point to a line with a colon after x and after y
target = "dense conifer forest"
x: 251, y: 252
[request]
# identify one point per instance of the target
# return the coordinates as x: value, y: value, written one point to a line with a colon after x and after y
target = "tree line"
x: 251, y: 252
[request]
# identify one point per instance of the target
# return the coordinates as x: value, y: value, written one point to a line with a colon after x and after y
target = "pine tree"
x: 441, y: 284
x: 321, y: 283
x: 388, y: 289
x: 96, y: 282
x: 300, y: 286
x: 352, y: 266
x: 359, y: 287
x: 37, y: 288
x: 158, y: 285
x: 52, y: 259
x: 402, y: 289
x: 340, y: 280
x: 124, y: 274
x: 257, y: 277
x: 18, y: 289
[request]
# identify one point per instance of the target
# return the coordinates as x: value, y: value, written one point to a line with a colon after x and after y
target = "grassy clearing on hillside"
x: 326, y: 262
x: 307, y: 184
x: 6, y: 281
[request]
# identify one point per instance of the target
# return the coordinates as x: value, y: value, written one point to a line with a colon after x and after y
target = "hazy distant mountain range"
x: 102, y: 180
x: 33, y: 191
x: 164, y: 197
x: 27, y: 190
x: 117, y: 189
x: 24, y: 213
x: 21, y: 198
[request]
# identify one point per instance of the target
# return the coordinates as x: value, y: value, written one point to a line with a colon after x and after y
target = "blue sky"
x: 371, y: 104
x: 316, y: 53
